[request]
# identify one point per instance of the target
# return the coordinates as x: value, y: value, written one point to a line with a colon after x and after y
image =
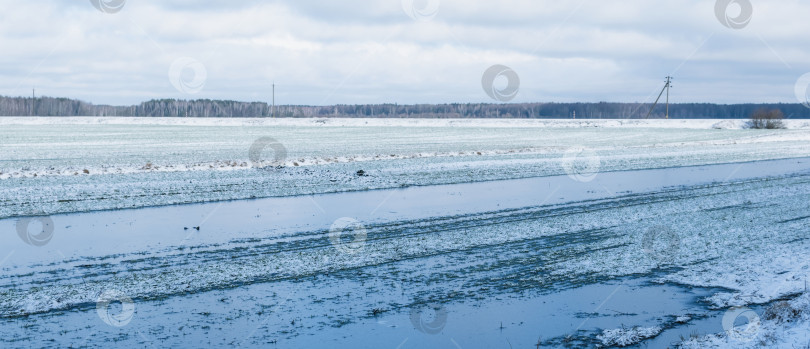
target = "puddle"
x: 335, y: 312
x: 520, y: 321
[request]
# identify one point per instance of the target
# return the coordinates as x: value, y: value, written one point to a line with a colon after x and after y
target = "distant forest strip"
x: 48, y: 106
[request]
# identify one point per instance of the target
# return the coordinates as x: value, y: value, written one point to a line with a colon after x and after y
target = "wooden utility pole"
x: 33, y: 100
x: 273, y: 111
x: 667, y: 85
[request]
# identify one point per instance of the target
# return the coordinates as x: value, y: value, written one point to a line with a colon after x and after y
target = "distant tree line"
x: 49, y: 106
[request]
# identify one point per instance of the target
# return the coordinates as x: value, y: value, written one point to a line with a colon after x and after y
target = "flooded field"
x: 550, y: 261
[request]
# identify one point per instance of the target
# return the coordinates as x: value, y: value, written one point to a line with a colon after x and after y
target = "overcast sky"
x: 403, y: 51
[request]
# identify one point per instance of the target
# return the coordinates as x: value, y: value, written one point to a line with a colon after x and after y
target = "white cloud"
x: 355, y: 51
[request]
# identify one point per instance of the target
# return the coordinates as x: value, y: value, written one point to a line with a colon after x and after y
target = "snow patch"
x: 624, y: 337
x: 683, y: 319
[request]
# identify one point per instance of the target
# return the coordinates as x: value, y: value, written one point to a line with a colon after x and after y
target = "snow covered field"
x: 565, y: 217
x: 60, y: 165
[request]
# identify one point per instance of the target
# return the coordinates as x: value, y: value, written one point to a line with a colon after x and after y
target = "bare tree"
x: 767, y: 119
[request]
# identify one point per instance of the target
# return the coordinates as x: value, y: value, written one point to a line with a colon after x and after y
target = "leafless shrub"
x: 782, y: 312
x: 767, y: 119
